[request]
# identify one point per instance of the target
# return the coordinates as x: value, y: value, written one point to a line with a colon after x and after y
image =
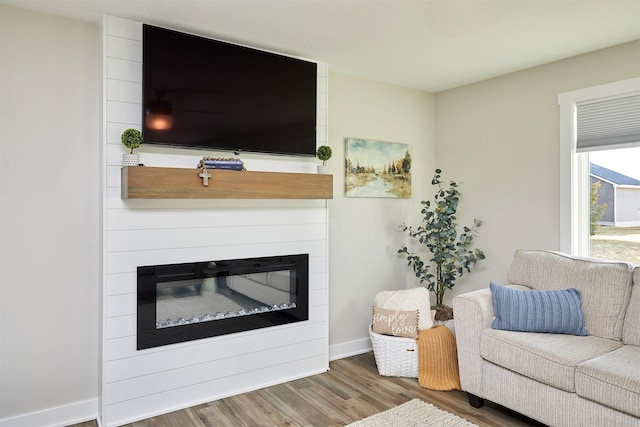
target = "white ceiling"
x: 431, y: 45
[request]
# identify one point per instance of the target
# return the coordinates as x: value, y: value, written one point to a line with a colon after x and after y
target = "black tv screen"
x: 208, y: 94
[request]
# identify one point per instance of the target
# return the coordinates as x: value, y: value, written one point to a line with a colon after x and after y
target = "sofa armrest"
x: 473, y: 312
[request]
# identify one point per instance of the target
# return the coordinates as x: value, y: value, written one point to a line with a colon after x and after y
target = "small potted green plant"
x: 131, y: 138
x: 323, y: 153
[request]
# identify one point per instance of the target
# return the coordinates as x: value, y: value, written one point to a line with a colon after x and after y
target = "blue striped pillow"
x: 554, y: 311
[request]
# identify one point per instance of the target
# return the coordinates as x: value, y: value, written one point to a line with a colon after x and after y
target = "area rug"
x: 414, y: 413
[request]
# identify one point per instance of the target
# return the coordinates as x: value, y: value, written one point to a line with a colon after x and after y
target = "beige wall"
x: 49, y: 212
x: 501, y: 137
x: 363, y: 232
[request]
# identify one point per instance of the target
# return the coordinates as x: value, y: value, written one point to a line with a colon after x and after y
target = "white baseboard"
x: 56, y: 417
x: 351, y: 348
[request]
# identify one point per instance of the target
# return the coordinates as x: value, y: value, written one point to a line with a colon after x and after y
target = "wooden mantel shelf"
x: 143, y: 182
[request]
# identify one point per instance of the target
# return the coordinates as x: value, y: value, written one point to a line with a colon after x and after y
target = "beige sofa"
x: 558, y: 379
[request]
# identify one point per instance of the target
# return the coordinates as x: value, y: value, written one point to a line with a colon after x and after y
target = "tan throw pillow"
x: 395, y: 322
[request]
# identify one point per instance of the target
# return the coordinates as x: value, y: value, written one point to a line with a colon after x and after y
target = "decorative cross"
x: 205, y: 177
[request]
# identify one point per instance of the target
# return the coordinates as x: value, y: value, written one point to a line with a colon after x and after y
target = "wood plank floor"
x: 351, y: 390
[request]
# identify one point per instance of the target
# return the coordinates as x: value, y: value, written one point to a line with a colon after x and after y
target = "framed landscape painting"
x: 377, y: 169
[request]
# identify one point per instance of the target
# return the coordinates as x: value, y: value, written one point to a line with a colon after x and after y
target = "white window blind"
x: 608, y: 123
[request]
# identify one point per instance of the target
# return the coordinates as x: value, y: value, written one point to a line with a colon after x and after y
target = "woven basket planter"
x: 395, y: 356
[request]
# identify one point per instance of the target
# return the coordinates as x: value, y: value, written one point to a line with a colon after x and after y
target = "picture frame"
x: 377, y: 169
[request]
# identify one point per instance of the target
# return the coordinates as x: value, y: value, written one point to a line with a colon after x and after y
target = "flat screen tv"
x: 208, y: 94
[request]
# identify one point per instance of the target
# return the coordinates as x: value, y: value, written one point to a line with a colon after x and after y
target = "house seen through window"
x: 614, y: 205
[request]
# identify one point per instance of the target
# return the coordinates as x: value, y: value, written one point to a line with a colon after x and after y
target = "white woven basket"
x: 395, y: 356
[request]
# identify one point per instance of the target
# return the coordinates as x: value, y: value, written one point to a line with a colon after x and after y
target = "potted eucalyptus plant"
x: 131, y: 138
x: 323, y: 153
x: 450, y: 251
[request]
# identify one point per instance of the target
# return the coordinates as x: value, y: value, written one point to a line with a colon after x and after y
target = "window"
x: 581, y: 134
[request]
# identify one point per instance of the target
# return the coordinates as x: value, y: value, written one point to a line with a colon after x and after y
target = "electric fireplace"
x: 190, y: 301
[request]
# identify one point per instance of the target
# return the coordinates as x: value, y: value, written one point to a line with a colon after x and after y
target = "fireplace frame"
x: 150, y: 336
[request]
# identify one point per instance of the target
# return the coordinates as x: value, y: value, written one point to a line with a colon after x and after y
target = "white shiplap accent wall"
x: 140, y: 384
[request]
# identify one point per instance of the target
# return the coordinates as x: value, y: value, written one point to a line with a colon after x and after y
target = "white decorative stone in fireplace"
x: 137, y: 384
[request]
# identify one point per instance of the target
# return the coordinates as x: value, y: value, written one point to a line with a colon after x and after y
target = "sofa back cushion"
x: 631, y: 329
x: 605, y: 285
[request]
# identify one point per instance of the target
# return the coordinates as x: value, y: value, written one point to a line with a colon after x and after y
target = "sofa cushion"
x: 554, y: 311
x: 631, y: 329
x: 605, y: 285
x: 612, y: 379
x: 549, y: 358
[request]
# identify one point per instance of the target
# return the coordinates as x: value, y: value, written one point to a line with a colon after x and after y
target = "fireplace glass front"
x: 184, y: 302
